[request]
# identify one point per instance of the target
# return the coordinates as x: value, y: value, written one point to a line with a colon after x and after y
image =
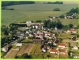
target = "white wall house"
x: 62, y: 51
x: 5, y: 49
x: 75, y: 48
x: 18, y: 44
x: 61, y: 45
x: 54, y: 51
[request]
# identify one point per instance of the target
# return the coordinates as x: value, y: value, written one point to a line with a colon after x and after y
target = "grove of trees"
x: 73, y: 10
x: 51, y: 24
x: 8, y: 3
x: 56, y: 9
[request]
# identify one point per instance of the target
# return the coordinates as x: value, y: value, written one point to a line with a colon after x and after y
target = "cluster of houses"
x: 59, y: 50
x: 74, y: 15
x: 71, y: 31
x: 38, y: 34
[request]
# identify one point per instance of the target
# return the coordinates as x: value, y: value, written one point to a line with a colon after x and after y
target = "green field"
x: 34, y: 12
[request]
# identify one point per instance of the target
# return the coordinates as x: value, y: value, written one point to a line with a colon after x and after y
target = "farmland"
x: 25, y: 49
x: 12, y: 53
x: 34, y: 12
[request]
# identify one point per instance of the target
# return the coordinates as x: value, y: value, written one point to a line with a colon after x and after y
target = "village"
x: 39, y: 30
x: 51, y: 43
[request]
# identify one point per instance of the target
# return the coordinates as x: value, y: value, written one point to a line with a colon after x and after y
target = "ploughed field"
x: 18, y: 52
x: 25, y: 49
x: 12, y: 53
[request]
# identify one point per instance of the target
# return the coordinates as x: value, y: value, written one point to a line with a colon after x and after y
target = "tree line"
x: 8, y: 3
x: 57, y: 2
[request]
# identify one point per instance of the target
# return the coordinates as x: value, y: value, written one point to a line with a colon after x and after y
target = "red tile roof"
x: 62, y: 50
x: 61, y: 44
x: 53, y: 50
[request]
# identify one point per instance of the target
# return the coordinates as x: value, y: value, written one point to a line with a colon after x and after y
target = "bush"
x: 56, y: 9
x: 61, y: 16
x: 38, y: 21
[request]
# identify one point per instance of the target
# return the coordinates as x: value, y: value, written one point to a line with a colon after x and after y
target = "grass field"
x: 34, y: 12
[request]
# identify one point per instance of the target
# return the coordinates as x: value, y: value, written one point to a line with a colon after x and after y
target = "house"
x: 47, y: 33
x: 76, y: 56
x: 18, y: 44
x: 30, y: 35
x: 20, y: 34
x: 75, y: 48
x: 61, y: 45
x: 37, y: 40
x: 54, y: 44
x: 28, y: 23
x: 62, y: 51
x: 55, y: 28
x: 65, y: 17
x: 54, y: 51
x: 43, y: 50
x: 68, y: 31
x: 71, y: 31
x: 50, y: 41
x: 5, y: 49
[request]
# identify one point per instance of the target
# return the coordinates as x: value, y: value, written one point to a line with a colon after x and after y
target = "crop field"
x: 12, y: 53
x: 25, y: 49
x: 33, y: 12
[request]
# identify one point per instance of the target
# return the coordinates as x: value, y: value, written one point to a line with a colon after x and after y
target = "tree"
x: 59, y: 25
x: 5, y: 30
x: 74, y: 38
x: 70, y: 25
x: 61, y: 16
x: 65, y: 27
x: 48, y: 56
x: 26, y: 56
x: 51, y: 24
x: 38, y: 21
x: 60, y: 39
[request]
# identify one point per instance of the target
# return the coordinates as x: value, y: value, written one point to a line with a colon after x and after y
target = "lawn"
x: 36, y: 51
x: 34, y: 12
x: 26, y: 40
x: 65, y: 35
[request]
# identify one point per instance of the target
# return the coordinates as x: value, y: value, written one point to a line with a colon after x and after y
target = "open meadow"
x: 33, y: 12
